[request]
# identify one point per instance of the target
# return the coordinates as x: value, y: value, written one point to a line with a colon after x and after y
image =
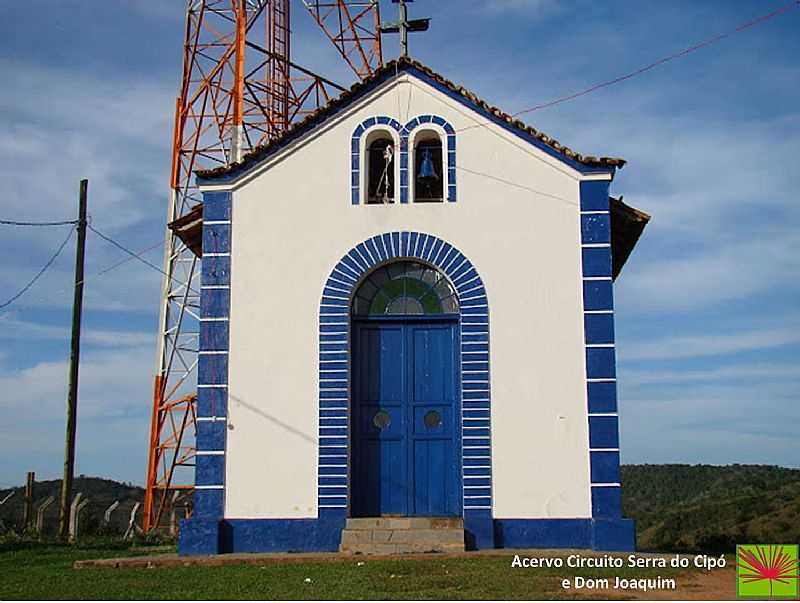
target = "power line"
x: 690, y: 49
x: 109, y: 268
x: 40, y: 273
x: 517, y: 185
x: 120, y: 246
x: 16, y: 223
x: 132, y: 254
x: 128, y: 259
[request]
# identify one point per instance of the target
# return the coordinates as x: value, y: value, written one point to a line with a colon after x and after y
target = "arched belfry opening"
x: 405, y: 409
x: 428, y: 168
x: 380, y: 168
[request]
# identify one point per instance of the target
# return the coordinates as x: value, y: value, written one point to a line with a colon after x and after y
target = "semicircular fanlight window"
x: 405, y: 287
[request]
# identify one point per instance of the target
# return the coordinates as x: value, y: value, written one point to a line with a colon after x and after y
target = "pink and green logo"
x: 767, y: 571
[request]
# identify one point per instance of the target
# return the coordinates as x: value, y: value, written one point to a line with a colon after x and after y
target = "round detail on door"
x: 432, y: 419
x: 381, y: 420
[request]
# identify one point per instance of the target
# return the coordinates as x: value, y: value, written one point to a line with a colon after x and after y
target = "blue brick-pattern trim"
x: 215, y: 303
x: 597, y: 260
x: 601, y: 386
x: 448, y: 155
x: 598, y: 296
x: 210, y: 437
x: 606, y: 502
x: 212, y: 402
x: 602, y: 396
x: 599, y: 328
x: 605, y: 467
x: 214, y: 335
x: 208, y: 503
x: 334, y: 363
x: 603, y: 432
x: 600, y: 362
x: 217, y: 206
x: 209, y: 469
x: 212, y: 365
x: 448, y: 148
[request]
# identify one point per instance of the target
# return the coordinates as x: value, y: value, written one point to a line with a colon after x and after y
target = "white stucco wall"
x: 292, y: 222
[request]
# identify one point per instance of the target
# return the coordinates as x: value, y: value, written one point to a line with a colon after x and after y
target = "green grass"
x: 45, y: 572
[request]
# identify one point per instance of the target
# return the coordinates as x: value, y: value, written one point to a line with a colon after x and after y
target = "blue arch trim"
x: 450, y: 157
x: 333, y: 487
x: 404, y: 132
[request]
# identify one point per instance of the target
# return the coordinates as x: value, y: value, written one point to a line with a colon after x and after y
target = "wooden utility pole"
x: 27, y: 517
x: 74, y: 357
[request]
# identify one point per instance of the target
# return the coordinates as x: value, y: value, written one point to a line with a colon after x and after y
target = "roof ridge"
x: 296, y: 128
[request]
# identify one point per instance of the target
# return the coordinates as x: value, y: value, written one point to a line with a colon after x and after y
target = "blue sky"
x: 707, y: 307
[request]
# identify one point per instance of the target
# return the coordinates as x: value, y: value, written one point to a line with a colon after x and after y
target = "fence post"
x: 132, y: 527
x: 109, y: 511
x: 40, y: 513
x: 27, y: 517
x: 80, y: 508
x: 173, y: 516
x: 74, y: 509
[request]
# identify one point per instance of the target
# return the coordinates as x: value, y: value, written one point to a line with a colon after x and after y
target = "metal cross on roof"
x: 404, y: 25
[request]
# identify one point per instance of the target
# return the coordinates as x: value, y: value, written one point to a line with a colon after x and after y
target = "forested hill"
x: 711, y: 508
x: 676, y: 507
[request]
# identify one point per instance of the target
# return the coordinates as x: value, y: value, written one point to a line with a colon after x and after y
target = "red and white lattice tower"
x: 239, y: 89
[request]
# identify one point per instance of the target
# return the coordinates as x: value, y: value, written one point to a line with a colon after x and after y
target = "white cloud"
x: 715, y: 423
x: 111, y: 383
x: 63, y: 125
x: 748, y: 373
x: 693, y: 346
x: 129, y: 286
x: 114, y: 404
x: 14, y: 328
x: 700, y: 278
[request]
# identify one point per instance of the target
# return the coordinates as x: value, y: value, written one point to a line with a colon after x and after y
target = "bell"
x: 427, y: 172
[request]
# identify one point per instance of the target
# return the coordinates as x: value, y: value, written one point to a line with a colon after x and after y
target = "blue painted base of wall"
x: 596, y: 534
x: 209, y: 537
x: 199, y: 537
x: 543, y: 533
x: 613, y: 535
x: 284, y: 535
x: 260, y: 536
x: 478, y: 530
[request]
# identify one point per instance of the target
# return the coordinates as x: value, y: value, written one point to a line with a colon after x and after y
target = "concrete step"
x: 392, y: 549
x: 389, y: 535
x: 403, y: 523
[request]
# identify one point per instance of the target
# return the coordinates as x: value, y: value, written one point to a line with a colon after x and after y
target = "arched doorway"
x: 405, y: 393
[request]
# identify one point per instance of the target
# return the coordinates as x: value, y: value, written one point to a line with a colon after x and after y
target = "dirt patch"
x: 716, y: 585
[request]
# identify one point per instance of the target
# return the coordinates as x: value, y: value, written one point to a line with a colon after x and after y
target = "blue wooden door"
x: 405, y: 446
